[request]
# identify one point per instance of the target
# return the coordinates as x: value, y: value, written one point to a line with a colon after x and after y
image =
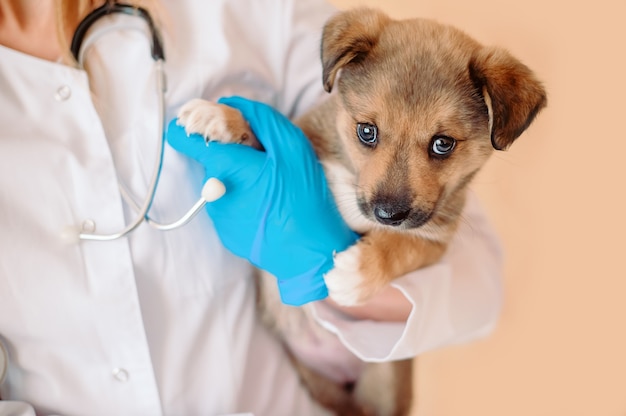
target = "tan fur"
x: 415, y: 80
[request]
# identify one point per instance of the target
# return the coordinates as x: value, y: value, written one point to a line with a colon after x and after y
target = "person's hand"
x: 277, y: 211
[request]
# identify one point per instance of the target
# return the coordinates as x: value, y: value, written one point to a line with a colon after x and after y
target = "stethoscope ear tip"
x: 213, y: 190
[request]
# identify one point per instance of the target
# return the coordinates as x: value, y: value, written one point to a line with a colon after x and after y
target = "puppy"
x: 418, y: 109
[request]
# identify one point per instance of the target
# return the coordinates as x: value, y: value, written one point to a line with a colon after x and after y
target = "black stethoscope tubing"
x: 111, y: 7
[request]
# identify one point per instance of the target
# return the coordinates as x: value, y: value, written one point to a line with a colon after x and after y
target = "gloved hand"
x: 277, y: 211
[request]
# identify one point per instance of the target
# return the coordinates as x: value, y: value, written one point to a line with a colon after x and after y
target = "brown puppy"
x: 418, y: 109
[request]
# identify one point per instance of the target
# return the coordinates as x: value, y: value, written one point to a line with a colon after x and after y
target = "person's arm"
x: 453, y: 301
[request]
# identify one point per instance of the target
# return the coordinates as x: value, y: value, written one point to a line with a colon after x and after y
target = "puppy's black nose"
x: 390, y: 216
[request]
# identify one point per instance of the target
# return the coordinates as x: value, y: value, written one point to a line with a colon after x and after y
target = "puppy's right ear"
x: 349, y: 36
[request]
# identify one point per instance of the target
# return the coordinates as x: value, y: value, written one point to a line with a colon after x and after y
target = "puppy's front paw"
x: 216, y: 122
x: 347, y: 284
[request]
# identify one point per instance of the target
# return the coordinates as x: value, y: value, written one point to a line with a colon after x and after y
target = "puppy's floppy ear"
x: 515, y: 94
x: 349, y: 36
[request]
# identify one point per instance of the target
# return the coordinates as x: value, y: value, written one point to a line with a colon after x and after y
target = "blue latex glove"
x: 277, y: 211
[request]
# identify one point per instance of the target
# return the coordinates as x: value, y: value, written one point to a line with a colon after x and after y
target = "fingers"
x: 228, y: 162
x: 192, y: 145
x: 275, y: 131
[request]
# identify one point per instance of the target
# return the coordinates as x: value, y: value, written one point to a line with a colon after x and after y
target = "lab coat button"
x: 120, y: 375
x: 63, y: 93
x: 88, y: 226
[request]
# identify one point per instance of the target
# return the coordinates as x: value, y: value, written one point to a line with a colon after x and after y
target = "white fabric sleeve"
x: 455, y: 300
x: 302, y: 85
x: 13, y: 408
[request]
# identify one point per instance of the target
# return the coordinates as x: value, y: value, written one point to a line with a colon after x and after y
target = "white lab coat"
x: 162, y: 323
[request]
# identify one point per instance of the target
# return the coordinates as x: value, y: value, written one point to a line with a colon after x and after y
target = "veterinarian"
x: 163, y: 322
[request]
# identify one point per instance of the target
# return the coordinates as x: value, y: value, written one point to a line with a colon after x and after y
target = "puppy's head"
x: 422, y: 106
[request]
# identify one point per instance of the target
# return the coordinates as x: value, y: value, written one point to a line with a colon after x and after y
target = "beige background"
x: 557, y: 199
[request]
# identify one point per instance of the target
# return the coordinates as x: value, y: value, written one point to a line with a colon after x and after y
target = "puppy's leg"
x: 333, y: 396
x: 291, y: 323
x: 396, y: 398
x: 384, y: 389
x: 216, y: 122
x: 376, y: 260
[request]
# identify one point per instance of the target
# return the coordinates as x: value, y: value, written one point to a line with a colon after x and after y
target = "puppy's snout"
x: 391, y: 215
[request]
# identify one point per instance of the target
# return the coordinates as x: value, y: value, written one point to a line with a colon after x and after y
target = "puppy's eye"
x: 368, y: 133
x: 442, y: 146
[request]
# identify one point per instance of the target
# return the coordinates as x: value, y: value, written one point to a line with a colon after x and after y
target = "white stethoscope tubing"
x: 213, y: 189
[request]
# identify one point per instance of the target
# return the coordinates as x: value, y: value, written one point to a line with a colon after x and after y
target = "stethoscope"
x: 212, y: 190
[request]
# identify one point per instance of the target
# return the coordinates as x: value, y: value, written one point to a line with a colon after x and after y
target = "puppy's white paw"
x: 344, y: 281
x: 210, y: 120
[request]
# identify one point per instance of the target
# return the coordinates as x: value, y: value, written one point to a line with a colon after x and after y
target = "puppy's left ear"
x: 512, y: 91
x: 348, y: 37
